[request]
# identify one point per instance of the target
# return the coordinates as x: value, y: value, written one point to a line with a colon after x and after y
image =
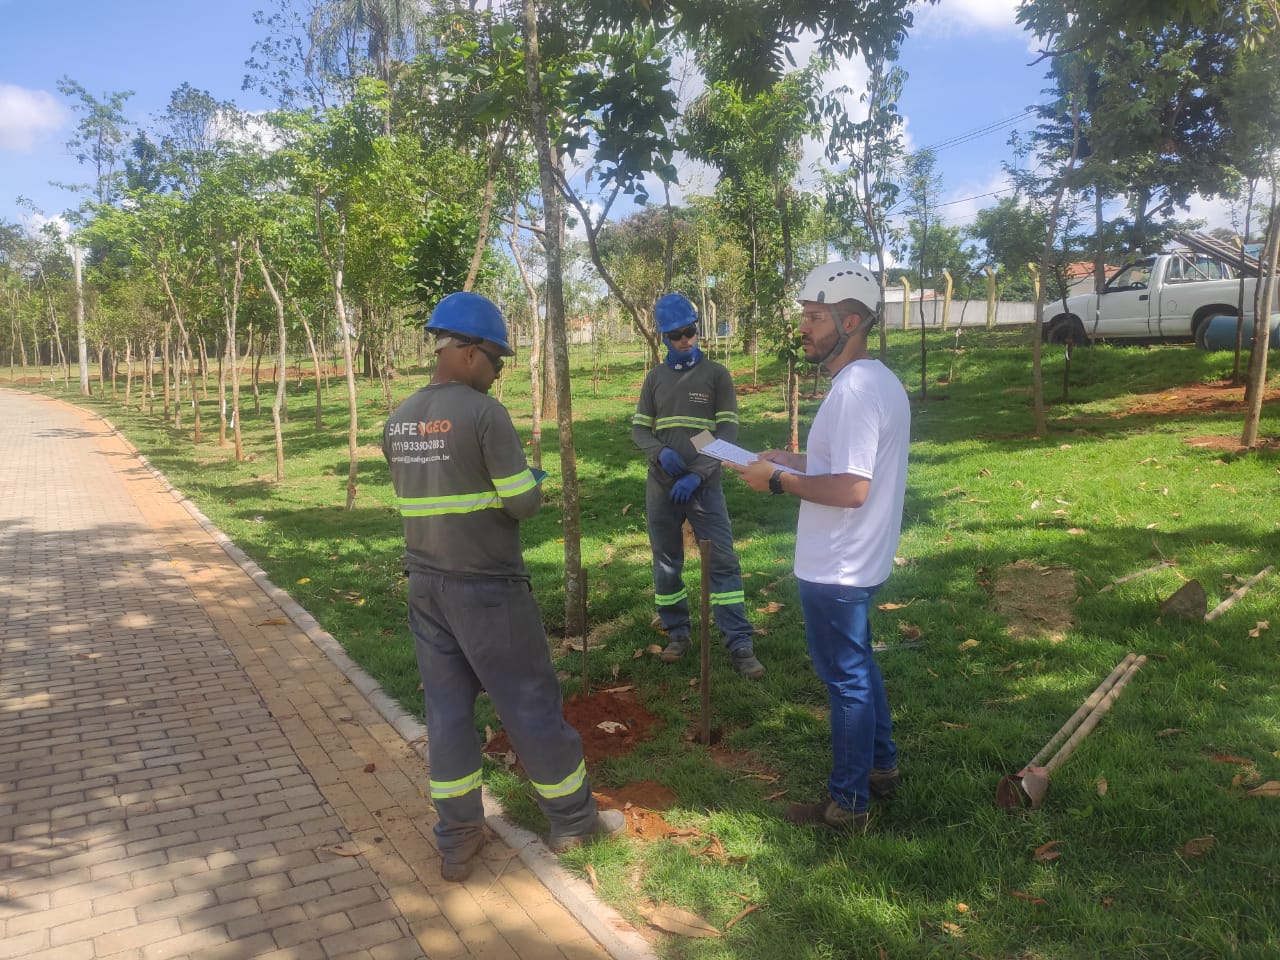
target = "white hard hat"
x: 842, y: 280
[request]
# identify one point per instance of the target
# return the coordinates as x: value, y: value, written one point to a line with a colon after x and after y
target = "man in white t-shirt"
x: 851, y: 485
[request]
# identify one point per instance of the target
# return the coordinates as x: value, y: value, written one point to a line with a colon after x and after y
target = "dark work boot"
x: 745, y: 662
x: 457, y: 866
x: 608, y: 823
x: 677, y: 647
x: 827, y: 813
x: 884, y: 783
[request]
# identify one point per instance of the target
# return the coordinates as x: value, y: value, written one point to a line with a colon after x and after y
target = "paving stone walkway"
x: 185, y: 773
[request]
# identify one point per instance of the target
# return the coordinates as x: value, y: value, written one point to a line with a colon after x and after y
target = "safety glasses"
x: 684, y: 333
x: 496, y: 360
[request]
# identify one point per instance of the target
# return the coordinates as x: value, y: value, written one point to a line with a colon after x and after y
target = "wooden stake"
x: 1230, y: 602
x: 1134, y: 576
x: 586, y: 631
x: 704, y: 550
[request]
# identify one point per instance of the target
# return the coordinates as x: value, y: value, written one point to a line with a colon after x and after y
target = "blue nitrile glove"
x: 683, y: 488
x: 671, y: 462
x: 538, y: 475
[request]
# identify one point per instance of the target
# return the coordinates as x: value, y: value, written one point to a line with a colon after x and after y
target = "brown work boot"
x: 608, y: 823
x: 457, y: 866
x: 676, y: 648
x: 884, y: 783
x: 827, y: 813
x: 745, y: 662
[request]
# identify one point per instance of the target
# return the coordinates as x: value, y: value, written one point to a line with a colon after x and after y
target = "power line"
x: 982, y: 131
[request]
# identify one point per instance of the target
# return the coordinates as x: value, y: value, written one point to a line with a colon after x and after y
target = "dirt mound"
x: 610, y: 723
x: 1036, y: 601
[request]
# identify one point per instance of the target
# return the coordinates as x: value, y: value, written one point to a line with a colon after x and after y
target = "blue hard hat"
x: 471, y: 315
x: 674, y: 311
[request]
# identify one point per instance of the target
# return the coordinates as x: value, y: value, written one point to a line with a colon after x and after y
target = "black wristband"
x: 775, y: 483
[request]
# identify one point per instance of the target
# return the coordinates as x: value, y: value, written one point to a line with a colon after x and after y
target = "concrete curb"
x: 610, y: 928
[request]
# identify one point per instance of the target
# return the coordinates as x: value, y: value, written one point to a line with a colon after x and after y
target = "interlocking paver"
x: 179, y: 770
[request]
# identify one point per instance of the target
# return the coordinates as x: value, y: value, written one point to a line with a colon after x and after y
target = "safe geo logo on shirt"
x: 421, y: 428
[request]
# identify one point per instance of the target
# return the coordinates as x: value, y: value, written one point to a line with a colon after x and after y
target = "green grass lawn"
x: 1162, y: 850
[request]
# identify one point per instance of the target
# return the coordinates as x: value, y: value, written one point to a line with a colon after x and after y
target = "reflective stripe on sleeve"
x: 640, y: 420
x: 515, y: 484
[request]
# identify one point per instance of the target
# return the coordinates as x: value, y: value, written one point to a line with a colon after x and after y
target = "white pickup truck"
x: 1168, y: 297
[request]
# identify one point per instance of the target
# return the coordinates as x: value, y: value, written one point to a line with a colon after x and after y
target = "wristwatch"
x: 775, y: 483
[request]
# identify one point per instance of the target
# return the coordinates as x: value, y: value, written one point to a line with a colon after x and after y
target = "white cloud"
x: 968, y: 16
x: 25, y: 115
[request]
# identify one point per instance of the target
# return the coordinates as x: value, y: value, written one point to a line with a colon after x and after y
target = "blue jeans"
x: 838, y: 631
x: 709, y: 517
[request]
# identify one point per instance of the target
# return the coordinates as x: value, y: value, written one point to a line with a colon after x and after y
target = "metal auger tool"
x: 1027, y: 788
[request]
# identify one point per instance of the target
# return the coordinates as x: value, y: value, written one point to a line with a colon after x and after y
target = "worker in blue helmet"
x: 684, y: 395
x: 462, y: 486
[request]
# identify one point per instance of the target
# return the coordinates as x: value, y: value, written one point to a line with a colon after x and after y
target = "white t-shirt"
x: 863, y: 427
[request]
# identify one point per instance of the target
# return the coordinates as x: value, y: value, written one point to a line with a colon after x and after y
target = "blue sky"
x: 969, y: 67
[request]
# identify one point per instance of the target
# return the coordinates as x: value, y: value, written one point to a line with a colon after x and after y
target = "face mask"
x: 682, y: 359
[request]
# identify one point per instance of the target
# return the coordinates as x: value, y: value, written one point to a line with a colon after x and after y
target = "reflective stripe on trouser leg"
x: 709, y: 517
x: 449, y: 690
x: 839, y: 637
x: 664, y: 520
x: 499, y: 628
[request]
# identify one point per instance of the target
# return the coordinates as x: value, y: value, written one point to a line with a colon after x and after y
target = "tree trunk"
x: 535, y: 344
x: 1264, y: 297
x: 1037, y: 351
x: 282, y: 357
x: 574, y: 603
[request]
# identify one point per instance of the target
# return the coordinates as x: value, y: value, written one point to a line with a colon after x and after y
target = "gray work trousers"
x: 473, y: 634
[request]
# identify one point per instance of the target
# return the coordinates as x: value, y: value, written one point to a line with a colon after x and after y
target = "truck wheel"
x: 1062, y: 329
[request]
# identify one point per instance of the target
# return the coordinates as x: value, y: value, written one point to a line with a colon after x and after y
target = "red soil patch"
x: 610, y: 724
x: 642, y: 802
x: 1201, y: 398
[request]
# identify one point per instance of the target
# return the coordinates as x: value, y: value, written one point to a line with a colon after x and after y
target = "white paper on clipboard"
x: 728, y: 452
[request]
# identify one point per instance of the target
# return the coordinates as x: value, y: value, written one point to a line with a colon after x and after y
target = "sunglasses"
x: 684, y: 333
x: 496, y: 360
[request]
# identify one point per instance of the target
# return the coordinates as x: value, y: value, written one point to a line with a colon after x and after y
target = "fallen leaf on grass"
x: 1075, y: 531
x: 953, y: 928
x: 1269, y: 789
x: 909, y: 631
x: 1230, y: 758
x: 611, y: 726
x: 948, y: 725
x: 773, y: 606
x: 1102, y: 786
x: 591, y: 875
x: 1034, y: 901
x: 682, y: 922
x: 1199, y: 846
x: 1170, y: 732
x: 626, y: 509
x: 751, y: 909
x: 1045, y: 852
x: 962, y: 908
x: 969, y: 644
x: 892, y: 606
x: 1257, y: 631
